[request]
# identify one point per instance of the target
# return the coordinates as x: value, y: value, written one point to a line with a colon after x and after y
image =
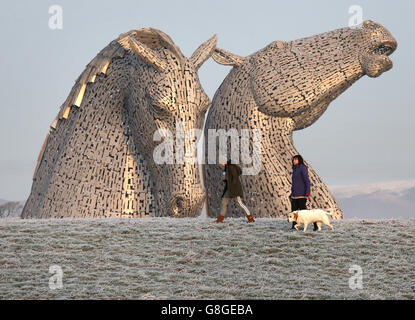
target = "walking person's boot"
x: 250, y: 218
x: 220, y: 218
x: 315, y: 226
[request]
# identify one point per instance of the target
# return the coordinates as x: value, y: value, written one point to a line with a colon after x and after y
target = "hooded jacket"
x: 300, y: 181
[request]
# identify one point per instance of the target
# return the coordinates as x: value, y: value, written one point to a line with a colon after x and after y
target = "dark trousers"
x: 300, y: 204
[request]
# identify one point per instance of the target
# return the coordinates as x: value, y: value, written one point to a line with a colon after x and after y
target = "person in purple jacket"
x: 300, y: 187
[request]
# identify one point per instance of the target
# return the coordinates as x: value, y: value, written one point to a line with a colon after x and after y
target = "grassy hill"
x: 163, y: 258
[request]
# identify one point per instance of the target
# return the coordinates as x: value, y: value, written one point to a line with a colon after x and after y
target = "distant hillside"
x: 11, y: 209
x: 367, y: 201
x: 377, y: 201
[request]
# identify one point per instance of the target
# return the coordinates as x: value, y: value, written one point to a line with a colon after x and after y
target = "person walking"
x: 233, y: 190
x: 300, y: 187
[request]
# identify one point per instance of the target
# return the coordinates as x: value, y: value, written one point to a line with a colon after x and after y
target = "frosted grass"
x: 163, y: 258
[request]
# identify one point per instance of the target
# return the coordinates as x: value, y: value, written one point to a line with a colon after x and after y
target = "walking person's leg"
x: 294, y: 207
x: 302, y: 203
x: 224, y: 206
x: 244, y: 208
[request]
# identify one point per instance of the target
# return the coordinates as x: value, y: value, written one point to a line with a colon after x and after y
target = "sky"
x: 365, y: 136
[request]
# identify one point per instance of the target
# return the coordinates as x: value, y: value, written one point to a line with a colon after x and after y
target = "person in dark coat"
x: 233, y: 190
x: 300, y: 187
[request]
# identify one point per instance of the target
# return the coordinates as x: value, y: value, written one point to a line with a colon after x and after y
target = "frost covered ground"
x: 163, y: 258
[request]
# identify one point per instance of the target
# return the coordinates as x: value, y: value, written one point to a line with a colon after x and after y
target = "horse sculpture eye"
x: 383, y: 50
x: 160, y: 112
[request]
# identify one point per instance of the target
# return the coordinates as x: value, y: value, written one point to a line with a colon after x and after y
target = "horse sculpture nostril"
x: 176, y: 206
x: 187, y: 207
x: 179, y: 202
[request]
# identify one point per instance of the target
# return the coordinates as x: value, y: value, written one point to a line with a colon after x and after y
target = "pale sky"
x: 366, y: 135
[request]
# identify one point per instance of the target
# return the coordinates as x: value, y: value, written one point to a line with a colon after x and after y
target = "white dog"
x: 305, y: 217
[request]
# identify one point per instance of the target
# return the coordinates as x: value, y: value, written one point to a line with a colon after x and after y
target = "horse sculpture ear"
x: 227, y: 58
x: 130, y: 43
x: 203, y: 52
